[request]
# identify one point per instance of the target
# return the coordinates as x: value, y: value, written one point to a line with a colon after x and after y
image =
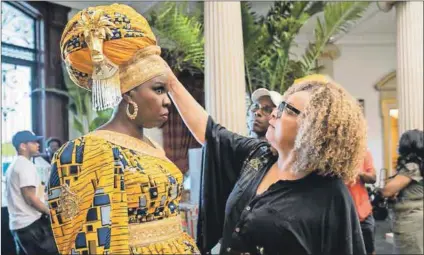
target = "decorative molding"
x: 386, y: 105
x: 386, y: 6
x: 331, y: 51
x: 380, y: 85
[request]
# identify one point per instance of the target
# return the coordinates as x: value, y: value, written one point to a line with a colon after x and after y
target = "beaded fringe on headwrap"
x: 106, y: 93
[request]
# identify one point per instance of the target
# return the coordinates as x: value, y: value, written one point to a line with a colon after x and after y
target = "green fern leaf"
x: 338, y: 17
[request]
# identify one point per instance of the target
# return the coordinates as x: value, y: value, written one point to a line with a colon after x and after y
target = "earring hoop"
x: 133, y: 115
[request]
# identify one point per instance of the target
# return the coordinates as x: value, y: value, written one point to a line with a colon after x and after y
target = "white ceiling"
x: 374, y: 22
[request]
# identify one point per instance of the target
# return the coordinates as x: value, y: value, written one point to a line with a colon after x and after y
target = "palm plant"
x: 180, y: 34
x: 338, y: 19
x: 272, y: 65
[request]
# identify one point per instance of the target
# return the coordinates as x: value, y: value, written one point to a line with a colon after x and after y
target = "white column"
x: 224, y: 65
x: 410, y: 64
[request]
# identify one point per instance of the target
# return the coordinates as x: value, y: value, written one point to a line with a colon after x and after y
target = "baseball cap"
x: 276, y: 97
x: 24, y: 137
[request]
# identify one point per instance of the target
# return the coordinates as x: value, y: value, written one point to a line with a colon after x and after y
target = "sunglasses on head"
x: 266, y: 109
x: 291, y: 110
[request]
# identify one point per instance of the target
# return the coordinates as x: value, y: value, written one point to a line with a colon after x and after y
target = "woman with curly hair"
x: 293, y: 203
x: 408, y: 183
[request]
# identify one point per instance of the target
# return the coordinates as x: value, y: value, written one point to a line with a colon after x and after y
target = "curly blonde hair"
x: 332, y: 131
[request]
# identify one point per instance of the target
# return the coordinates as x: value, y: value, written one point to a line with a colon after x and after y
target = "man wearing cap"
x: 264, y: 102
x: 28, y: 222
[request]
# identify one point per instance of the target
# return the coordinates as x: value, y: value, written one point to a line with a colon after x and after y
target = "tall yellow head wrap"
x: 110, y: 50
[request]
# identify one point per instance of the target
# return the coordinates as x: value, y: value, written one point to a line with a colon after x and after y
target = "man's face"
x: 260, y: 114
x: 53, y: 147
x: 31, y: 147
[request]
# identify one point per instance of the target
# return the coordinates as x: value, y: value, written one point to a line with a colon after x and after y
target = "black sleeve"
x: 223, y: 157
x: 227, y: 151
x: 344, y: 235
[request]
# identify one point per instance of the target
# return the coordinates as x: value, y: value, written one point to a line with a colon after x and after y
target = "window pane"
x: 17, y: 27
x: 16, y: 106
x: 16, y: 52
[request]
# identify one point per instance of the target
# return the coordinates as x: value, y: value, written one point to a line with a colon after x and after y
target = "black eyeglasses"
x: 266, y: 109
x: 289, y: 109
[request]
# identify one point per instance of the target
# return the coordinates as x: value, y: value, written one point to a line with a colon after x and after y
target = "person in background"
x: 408, y: 184
x: 53, y: 144
x: 362, y: 201
x: 264, y: 102
x: 28, y: 215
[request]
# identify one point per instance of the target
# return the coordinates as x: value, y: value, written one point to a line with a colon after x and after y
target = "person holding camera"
x: 407, y: 186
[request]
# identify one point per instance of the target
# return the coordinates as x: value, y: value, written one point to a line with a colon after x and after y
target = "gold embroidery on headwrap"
x: 68, y: 202
x: 99, y: 44
x: 106, y: 88
x: 145, y: 65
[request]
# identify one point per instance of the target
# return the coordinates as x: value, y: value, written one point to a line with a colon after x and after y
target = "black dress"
x: 312, y: 215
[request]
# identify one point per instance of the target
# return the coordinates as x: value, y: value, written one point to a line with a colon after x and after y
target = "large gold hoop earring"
x: 134, y: 114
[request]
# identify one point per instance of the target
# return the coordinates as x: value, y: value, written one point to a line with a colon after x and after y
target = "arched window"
x: 18, y: 72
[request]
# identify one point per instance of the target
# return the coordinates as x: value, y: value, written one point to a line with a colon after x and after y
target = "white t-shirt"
x: 21, y: 173
x: 43, y: 170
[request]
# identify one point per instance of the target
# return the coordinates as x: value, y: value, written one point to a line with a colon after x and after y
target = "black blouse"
x: 312, y: 215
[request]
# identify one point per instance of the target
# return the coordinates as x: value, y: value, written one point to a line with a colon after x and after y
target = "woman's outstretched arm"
x: 193, y: 114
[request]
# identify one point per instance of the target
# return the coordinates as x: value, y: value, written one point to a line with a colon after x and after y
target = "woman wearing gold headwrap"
x: 113, y: 191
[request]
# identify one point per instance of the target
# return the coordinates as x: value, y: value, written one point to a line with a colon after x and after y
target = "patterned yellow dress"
x: 110, y: 193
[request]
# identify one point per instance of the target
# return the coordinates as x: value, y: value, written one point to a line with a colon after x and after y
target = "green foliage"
x: 101, y: 119
x: 252, y: 37
x: 271, y: 66
x: 269, y: 39
x: 181, y: 34
x: 338, y: 17
x: 84, y: 118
